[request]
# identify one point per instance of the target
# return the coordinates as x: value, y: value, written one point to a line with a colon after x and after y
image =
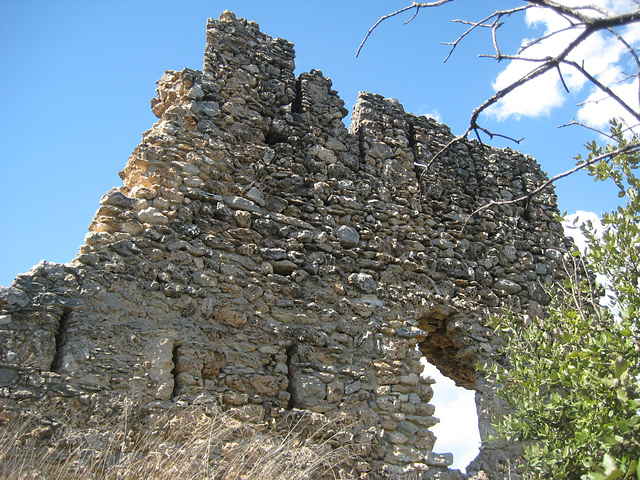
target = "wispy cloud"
x: 605, y: 57
x: 427, y: 112
x: 572, y: 227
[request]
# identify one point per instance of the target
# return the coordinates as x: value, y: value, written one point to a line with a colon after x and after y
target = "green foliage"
x: 573, y: 377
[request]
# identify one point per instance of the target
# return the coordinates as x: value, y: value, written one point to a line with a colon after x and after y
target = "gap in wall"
x: 457, y: 431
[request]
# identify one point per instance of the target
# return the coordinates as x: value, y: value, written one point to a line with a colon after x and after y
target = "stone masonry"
x: 261, y: 255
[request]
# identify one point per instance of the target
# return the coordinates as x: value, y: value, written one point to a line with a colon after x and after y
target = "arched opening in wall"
x: 454, y: 390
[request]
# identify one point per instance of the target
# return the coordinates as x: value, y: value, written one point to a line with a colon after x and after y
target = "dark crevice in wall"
x: 175, y: 356
x: 296, y: 106
x: 291, y: 351
x: 361, y: 149
x: 60, y: 341
x: 273, y: 137
x: 526, y: 211
x: 418, y: 164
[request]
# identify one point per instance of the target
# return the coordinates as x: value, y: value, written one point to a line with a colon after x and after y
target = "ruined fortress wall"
x: 260, y: 255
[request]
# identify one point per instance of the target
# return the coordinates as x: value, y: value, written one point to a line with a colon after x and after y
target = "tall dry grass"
x: 197, y: 442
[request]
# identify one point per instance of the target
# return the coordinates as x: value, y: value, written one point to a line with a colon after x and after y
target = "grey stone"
x: 439, y: 459
x: 347, y: 236
x: 209, y: 108
x: 284, y: 267
x: 308, y: 390
x: 363, y: 281
x: 239, y: 203
x: 117, y: 199
x: 11, y: 298
x: 507, y: 286
x: 352, y: 387
x: 255, y: 196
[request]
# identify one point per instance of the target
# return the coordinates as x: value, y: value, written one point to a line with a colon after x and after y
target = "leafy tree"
x: 573, y: 375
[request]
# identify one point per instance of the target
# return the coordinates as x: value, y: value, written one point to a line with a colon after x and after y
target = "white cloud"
x: 571, y: 225
x: 573, y: 222
x: 599, y: 108
x: 602, y: 55
x: 425, y: 111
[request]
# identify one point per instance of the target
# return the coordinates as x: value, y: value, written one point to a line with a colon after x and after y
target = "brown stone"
x: 228, y: 316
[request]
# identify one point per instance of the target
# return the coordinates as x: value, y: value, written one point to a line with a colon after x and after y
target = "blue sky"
x: 77, y: 77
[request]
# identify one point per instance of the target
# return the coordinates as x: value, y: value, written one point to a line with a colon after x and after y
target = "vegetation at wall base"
x: 195, y: 442
x: 572, y: 376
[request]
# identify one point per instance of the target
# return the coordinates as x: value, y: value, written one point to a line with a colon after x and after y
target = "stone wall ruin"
x: 260, y: 255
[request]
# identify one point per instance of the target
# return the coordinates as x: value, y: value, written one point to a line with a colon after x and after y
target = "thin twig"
x: 415, y: 14
x: 545, y: 37
x: 493, y: 135
x: 593, y: 129
x: 597, y: 130
x: 415, y: 5
x: 603, y: 87
x: 633, y: 53
x: 627, y: 76
x: 562, y: 79
x: 497, y: 15
x: 495, y: 39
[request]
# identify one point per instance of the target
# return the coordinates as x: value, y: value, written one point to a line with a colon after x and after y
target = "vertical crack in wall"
x: 291, y: 351
x: 526, y: 205
x: 361, y: 149
x: 60, y: 341
x: 175, y: 357
x: 296, y: 106
x: 418, y: 163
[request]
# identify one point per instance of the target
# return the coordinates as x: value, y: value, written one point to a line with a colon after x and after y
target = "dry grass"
x: 194, y: 443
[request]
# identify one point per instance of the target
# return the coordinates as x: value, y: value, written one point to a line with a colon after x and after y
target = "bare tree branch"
x: 583, y: 125
x: 597, y: 130
x: 634, y: 113
x: 536, y: 41
x: 562, y: 78
x: 494, y: 37
x: 482, y: 23
x: 570, y: 12
x: 416, y: 5
x: 633, y: 54
x: 513, y: 57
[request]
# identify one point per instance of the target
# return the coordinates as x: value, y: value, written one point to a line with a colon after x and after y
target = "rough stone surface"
x: 261, y: 255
